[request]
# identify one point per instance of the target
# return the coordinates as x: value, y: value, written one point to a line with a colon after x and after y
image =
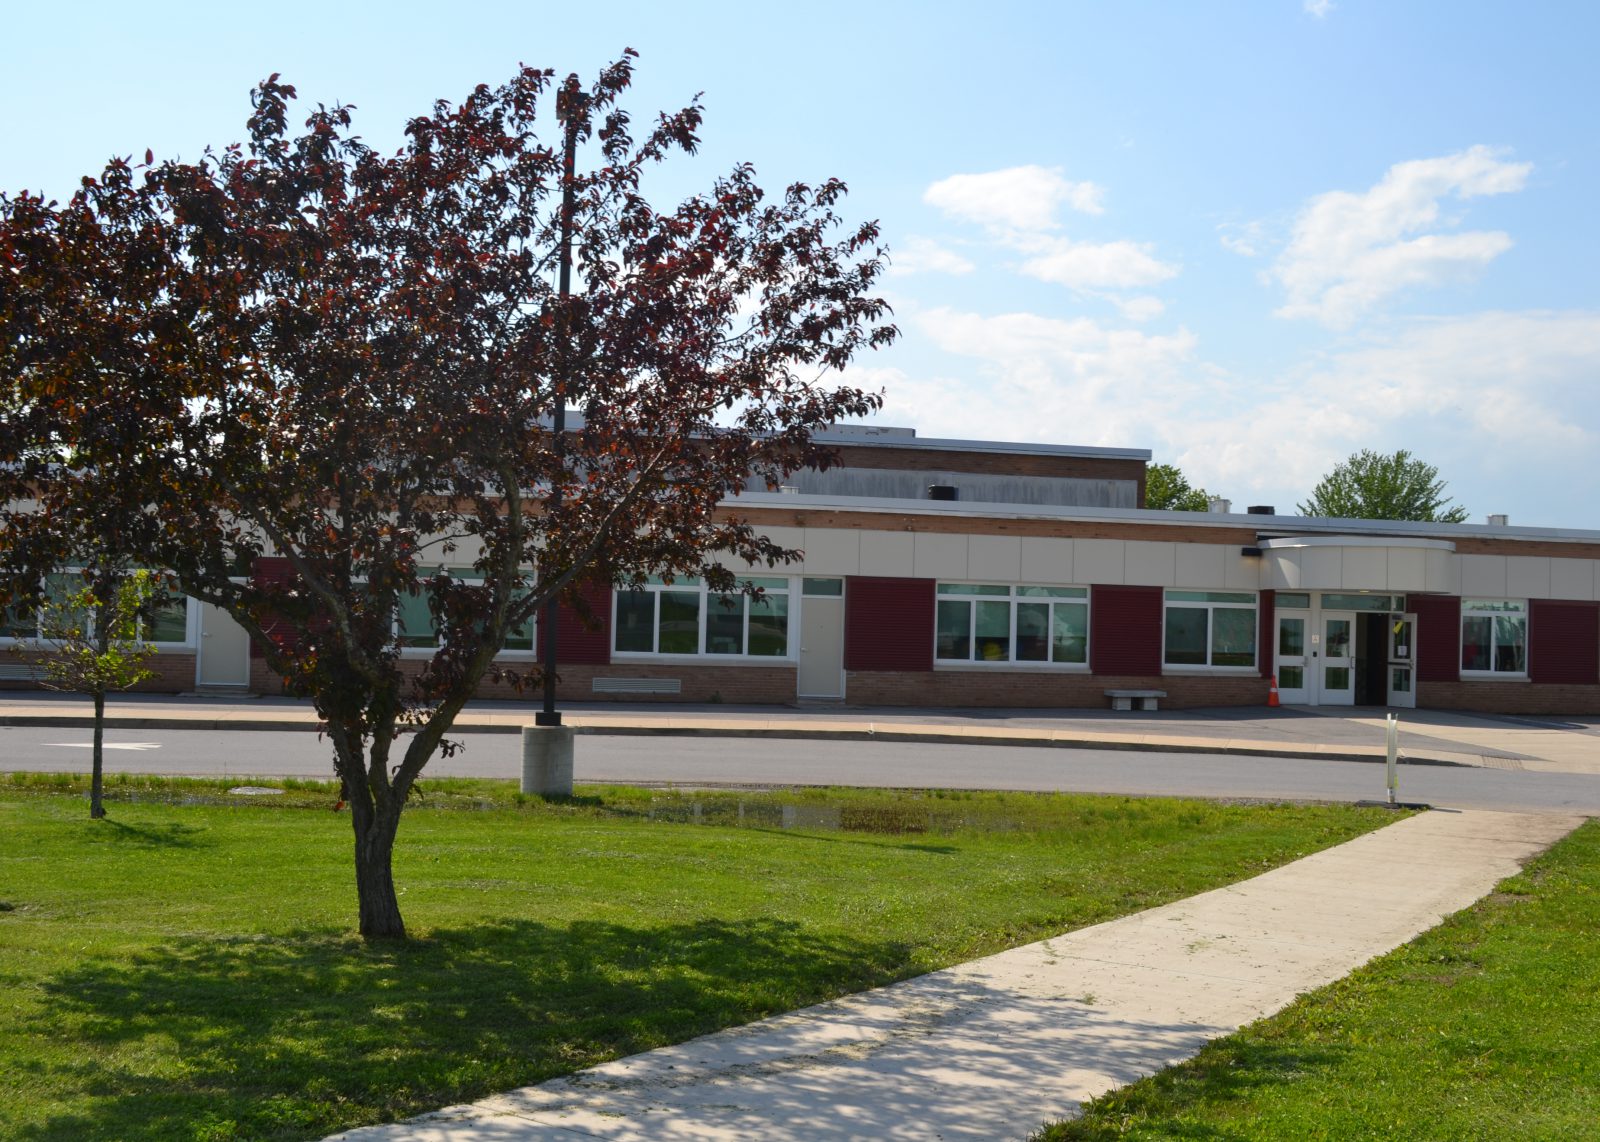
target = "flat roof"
x: 1265, y: 526
x: 861, y: 435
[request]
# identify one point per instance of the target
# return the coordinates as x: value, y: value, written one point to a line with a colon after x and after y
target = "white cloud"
x: 1350, y: 251
x: 923, y: 255
x: 1019, y: 198
x: 1144, y: 308
x: 1502, y: 403
x: 1319, y: 8
x: 1243, y: 238
x: 1095, y: 265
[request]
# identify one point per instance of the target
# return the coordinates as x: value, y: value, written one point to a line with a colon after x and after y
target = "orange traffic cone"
x: 1272, y: 694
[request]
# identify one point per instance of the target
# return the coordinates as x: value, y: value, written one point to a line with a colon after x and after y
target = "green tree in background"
x: 1371, y: 485
x: 1167, y: 488
x: 89, y: 643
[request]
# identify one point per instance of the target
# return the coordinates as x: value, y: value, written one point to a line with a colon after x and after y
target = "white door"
x: 1334, y: 659
x: 1290, y: 664
x: 1403, y: 661
x: 224, y: 650
x: 821, y: 673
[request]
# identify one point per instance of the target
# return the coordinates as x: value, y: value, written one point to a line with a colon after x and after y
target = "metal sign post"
x: 1393, y: 756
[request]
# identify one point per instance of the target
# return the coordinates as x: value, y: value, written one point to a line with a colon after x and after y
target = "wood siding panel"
x: 1125, y: 630
x: 888, y: 623
x: 577, y: 643
x: 1564, y: 642
x: 1438, y: 636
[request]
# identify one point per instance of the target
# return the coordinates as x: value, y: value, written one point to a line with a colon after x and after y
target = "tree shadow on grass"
x: 298, y: 1036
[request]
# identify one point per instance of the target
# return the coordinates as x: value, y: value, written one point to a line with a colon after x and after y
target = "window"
x: 168, y: 625
x: 686, y: 617
x: 1210, y: 628
x: 1494, y: 636
x: 414, y: 621
x: 989, y: 622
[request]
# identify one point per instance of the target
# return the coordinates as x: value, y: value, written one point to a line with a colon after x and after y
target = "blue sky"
x: 1251, y: 237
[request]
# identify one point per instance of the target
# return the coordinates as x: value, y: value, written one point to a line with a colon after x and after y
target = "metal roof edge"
x: 1267, y: 526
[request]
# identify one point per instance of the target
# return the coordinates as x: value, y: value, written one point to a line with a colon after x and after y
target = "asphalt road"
x: 718, y: 761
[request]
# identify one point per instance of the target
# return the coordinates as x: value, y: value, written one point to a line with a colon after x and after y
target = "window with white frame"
x: 416, y: 627
x: 166, y: 624
x: 994, y: 622
x: 1210, y: 628
x: 686, y: 617
x: 1494, y: 637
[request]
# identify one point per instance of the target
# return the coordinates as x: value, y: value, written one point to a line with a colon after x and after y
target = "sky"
x: 1252, y: 237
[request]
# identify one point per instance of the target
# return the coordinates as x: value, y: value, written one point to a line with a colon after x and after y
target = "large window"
x: 416, y: 627
x: 1210, y: 628
x: 987, y: 622
x: 1494, y: 636
x: 167, y: 624
x: 685, y: 617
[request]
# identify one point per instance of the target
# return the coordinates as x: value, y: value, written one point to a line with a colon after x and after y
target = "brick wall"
x: 1044, y: 689
x: 1492, y: 697
x: 174, y: 673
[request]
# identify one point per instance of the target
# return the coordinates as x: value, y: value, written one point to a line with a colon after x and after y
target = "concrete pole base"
x: 547, y: 760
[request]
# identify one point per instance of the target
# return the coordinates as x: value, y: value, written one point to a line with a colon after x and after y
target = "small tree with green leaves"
x: 89, y: 643
x: 1371, y: 485
x: 1167, y: 488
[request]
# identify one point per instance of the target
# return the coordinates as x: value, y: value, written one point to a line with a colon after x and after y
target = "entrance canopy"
x: 1358, y: 563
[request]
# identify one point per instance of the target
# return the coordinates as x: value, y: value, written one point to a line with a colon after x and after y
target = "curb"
x: 884, y: 734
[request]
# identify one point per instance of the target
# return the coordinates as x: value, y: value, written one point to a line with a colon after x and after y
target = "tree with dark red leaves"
x: 349, y: 364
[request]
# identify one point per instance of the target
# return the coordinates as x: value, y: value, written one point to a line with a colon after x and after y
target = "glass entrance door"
x: 1333, y: 659
x: 1402, y: 661
x: 1290, y: 666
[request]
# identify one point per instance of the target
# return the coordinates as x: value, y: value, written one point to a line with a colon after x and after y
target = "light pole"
x: 572, y: 104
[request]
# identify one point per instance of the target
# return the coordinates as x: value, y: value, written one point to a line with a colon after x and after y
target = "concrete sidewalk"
x: 994, y: 1048
x: 1440, y: 737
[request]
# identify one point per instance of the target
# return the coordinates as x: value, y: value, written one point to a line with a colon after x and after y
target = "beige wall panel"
x: 1242, y: 572
x: 1150, y: 564
x: 1572, y: 578
x: 1201, y: 565
x: 888, y: 553
x: 785, y: 536
x: 1098, y: 561
x: 1408, y: 568
x: 996, y: 558
x: 1483, y: 577
x: 1322, y: 568
x: 1527, y: 577
x: 939, y: 556
x: 1444, y: 572
x: 1365, y: 569
x: 832, y: 551
x: 1045, y: 560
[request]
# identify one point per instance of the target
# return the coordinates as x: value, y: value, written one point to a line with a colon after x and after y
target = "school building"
x: 951, y: 573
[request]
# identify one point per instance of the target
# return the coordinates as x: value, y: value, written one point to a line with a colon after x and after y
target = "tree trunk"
x: 97, y: 808
x: 374, y: 835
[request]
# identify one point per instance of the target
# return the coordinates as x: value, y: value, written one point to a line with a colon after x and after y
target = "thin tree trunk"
x: 378, y: 905
x: 97, y: 808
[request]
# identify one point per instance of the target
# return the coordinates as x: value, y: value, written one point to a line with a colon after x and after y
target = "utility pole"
x: 572, y: 105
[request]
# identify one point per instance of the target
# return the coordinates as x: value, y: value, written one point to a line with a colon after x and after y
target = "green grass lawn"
x: 186, y: 969
x: 1487, y: 1027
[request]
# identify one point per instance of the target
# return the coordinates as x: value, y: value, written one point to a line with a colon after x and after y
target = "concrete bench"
x: 638, y: 686
x: 1135, y: 699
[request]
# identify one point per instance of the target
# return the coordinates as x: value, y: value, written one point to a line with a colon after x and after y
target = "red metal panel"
x: 1564, y: 641
x: 578, y: 644
x: 1125, y: 630
x: 888, y: 623
x: 1266, y: 633
x: 1438, y: 636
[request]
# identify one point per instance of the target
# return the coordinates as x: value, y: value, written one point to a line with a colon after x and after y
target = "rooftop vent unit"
x: 943, y: 492
x: 1262, y: 509
x: 1499, y: 520
x: 1219, y: 506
